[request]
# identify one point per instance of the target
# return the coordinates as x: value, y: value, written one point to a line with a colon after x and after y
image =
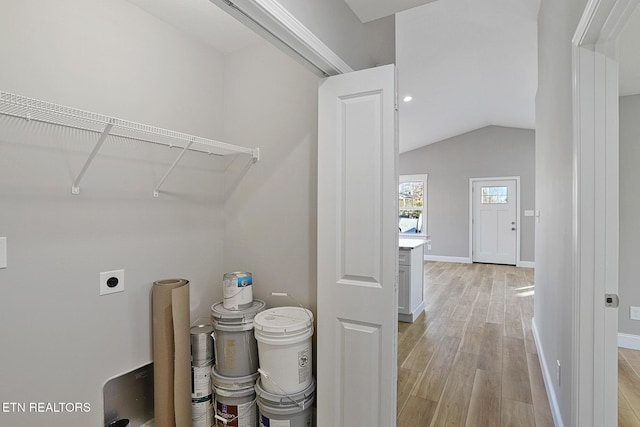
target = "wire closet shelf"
x: 36, y: 110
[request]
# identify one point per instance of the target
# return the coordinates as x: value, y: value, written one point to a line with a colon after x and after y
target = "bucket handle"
x: 286, y: 294
x: 242, y: 288
x: 288, y: 396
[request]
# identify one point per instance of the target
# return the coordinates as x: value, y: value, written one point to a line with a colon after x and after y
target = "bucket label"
x: 202, y: 412
x: 230, y: 354
x: 200, y: 381
x: 242, y: 415
x: 244, y: 281
x: 304, y: 367
x: 266, y: 422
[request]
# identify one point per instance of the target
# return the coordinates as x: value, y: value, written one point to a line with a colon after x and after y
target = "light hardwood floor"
x: 628, y: 387
x: 470, y: 358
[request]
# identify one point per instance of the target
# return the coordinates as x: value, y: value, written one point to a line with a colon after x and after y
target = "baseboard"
x: 629, y: 341
x: 548, y: 378
x: 463, y: 260
x: 526, y: 264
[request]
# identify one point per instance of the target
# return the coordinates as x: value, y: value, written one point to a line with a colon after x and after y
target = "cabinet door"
x: 404, y: 275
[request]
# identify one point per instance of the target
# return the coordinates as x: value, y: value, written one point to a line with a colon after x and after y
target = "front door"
x: 357, y: 249
x: 495, y: 221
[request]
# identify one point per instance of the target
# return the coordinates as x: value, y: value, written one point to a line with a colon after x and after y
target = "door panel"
x: 357, y: 249
x: 495, y: 221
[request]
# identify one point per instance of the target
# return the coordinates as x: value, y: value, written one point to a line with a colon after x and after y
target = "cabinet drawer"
x: 404, y: 257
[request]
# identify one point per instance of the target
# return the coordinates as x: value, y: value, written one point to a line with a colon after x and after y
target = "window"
x: 412, y: 205
x: 493, y: 195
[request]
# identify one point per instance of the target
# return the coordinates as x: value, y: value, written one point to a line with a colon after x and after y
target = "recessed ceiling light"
x: 407, y: 98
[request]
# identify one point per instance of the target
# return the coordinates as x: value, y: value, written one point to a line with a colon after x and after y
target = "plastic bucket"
x: 294, y: 410
x: 235, y: 346
x: 237, y: 290
x: 284, y: 348
x: 235, y: 400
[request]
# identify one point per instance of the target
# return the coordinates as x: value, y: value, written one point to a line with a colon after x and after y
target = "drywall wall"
x: 492, y: 151
x: 359, y: 45
x: 557, y: 21
x: 629, y: 286
x: 60, y: 340
x: 270, y: 214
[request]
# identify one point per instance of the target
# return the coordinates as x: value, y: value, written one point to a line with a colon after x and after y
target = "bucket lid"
x: 201, y: 329
x: 233, y: 383
x: 219, y: 313
x: 283, y: 321
x: 293, y: 399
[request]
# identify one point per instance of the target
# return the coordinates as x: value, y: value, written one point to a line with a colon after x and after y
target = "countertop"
x: 411, y: 243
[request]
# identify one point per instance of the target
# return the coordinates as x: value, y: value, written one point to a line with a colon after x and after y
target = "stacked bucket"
x: 286, y: 388
x: 201, y: 364
x: 236, y: 352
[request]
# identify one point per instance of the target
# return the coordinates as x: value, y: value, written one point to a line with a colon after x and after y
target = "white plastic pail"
x: 284, y: 348
x: 235, y: 400
x: 294, y: 410
x: 236, y: 349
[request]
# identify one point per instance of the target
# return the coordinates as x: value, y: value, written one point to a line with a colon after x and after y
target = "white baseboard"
x: 629, y: 341
x: 526, y: 264
x: 463, y: 260
x: 547, y: 377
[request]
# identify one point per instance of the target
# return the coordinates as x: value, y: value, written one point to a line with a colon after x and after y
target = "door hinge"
x: 611, y: 300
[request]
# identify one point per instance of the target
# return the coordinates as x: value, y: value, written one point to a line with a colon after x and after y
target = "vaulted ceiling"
x: 466, y: 63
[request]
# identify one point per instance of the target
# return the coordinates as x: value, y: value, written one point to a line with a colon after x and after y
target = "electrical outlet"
x: 634, y: 313
x: 429, y: 247
x: 558, y: 372
x: 111, y: 282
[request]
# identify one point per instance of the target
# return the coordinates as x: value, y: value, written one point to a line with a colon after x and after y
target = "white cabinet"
x: 410, y: 279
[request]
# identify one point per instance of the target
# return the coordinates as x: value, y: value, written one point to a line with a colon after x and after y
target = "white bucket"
x: 284, y: 348
x: 237, y: 290
x: 235, y: 400
x: 294, y: 410
x: 236, y: 349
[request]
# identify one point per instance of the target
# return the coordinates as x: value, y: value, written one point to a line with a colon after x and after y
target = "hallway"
x: 470, y: 358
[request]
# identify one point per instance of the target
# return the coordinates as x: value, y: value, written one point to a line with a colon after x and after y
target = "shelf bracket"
x: 156, y: 192
x: 75, y: 188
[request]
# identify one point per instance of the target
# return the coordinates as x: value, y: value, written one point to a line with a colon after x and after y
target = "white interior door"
x: 357, y: 249
x: 495, y: 221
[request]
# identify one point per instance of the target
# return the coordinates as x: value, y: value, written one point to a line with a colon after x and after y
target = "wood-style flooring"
x: 628, y: 387
x: 470, y: 358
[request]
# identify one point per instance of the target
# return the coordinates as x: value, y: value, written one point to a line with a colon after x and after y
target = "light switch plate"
x: 3, y: 252
x: 528, y: 213
x: 634, y: 313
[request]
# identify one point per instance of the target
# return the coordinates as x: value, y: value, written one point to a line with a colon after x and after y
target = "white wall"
x: 492, y: 151
x: 557, y: 21
x: 270, y: 215
x: 60, y: 340
x: 629, y: 286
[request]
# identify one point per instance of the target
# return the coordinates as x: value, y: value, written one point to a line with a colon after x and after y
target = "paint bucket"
x: 201, y: 345
x: 236, y: 349
x: 237, y: 290
x: 284, y: 348
x: 200, y: 381
x: 202, y: 412
x: 293, y: 410
x: 235, y: 400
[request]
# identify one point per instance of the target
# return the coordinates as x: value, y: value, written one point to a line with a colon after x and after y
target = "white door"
x: 357, y: 249
x: 495, y: 221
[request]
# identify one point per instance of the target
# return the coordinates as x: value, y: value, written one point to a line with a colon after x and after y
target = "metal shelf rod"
x: 75, y: 188
x: 156, y: 192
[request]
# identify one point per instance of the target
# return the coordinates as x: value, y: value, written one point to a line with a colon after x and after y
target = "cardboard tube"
x: 171, y: 353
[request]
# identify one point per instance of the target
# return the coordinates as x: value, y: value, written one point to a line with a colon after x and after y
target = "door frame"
x: 595, y: 211
x: 519, y: 219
